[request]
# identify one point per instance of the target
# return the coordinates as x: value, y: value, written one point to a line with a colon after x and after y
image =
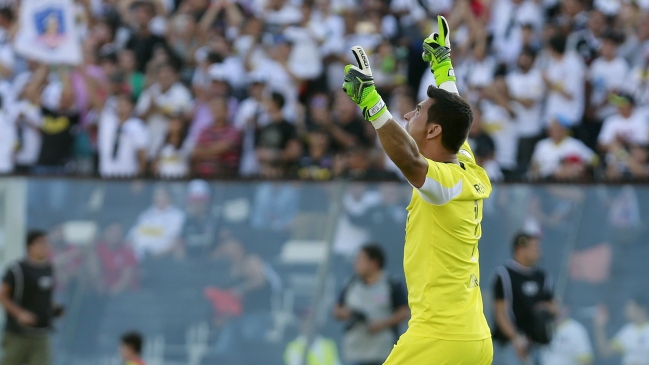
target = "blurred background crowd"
x: 251, y: 88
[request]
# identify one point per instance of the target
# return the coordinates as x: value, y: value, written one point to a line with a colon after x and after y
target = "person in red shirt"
x: 117, y: 260
x: 131, y: 348
x: 218, y: 147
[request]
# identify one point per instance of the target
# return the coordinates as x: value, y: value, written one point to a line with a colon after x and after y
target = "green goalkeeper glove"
x: 437, y: 51
x: 359, y: 85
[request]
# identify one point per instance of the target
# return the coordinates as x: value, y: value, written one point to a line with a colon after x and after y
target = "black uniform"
x: 32, y: 287
x: 522, y: 288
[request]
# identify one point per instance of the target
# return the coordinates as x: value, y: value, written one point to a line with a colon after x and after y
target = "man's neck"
x: 35, y: 261
x: 373, y: 277
x: 523, y: 263
x: 439, y: 154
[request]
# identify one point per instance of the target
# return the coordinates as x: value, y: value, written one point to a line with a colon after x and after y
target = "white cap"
x: 198, y: 189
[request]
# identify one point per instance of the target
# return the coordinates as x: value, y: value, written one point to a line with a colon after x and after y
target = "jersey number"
x: 477, y: 232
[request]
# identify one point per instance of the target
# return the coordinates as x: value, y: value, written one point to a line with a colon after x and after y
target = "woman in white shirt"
x: 172, y: 161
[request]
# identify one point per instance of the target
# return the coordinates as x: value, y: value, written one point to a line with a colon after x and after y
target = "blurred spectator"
x: 506, y: 23
x: 483, y: 148
x: 157, y: 228
x: 8, y: 138
x: 198, y: 235
x: 347, y: 128
x: 360, y: 163
x: 627, y: 162
x: 564, y: 78
x: 218, y: 147
x: 161, y: 101
x: 606, y: 76
x: 630, y: 341
x: 561, y: 156
x: 479, y: 68
x: 317, y: 161
x: 278, y: 148
x: 526, y: 92
x: 122, y: 140
x: 570, y: 344
x: 627, y: 126
x: 372, y: 305
x: 130, y: 348
x: 321, y: 351
x: 498, y: 122
x: 141, y: 40
x: 523, y: 304
x: 586, y: 42
x: 173, y: 159
x: 274, y: 206
x: 56, y: 100
x: 117, y: 261
x: 128, y: 65
x: 251, y: 117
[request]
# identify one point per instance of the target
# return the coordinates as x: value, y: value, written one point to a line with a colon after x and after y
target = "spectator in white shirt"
x: 564, y: 78
x: 478, y: 70
x: 498, y: 121
x: 508, y: 17
x: 628, y: 126
x: 570, y: 343
x: 561, y: 156
x: 157, y: 228
x: 250, y: 117
x: 7, y: 139
x: 172, y: 161
x: 526, y: 91
x: 122, y: 141
x: 159, y: 102
x: 606, y: 75
x: 632, y: 340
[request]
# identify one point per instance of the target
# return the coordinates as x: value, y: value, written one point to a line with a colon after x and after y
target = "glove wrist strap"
x: 381, y: 119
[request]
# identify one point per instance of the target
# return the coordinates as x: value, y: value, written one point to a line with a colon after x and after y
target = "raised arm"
x: 397, y: 143
x: 400, y: 147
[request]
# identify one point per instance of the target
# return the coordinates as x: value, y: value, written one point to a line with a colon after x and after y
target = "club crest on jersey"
x: 480, y: 188
x: 530, y: 288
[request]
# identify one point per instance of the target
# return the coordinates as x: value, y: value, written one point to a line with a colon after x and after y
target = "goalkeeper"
x: 441, y: 253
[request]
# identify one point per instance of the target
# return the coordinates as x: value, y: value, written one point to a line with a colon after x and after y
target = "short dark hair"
x: 34, y: 235
x: 7, y: 13
x: 453, y: 114
x: 558, y: 43
x: 521, y: 239
x: 374, y: 252
x: 133, y: 340
x: 278, y: 99
x: 143, y: 4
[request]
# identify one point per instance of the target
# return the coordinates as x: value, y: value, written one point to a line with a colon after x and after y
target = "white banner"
x: 47, y: 32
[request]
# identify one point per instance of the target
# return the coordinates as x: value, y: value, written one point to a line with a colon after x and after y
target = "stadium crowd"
x: 251, y: 88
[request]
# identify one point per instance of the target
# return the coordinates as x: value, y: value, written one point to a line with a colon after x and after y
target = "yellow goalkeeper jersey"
x: 441, y: 251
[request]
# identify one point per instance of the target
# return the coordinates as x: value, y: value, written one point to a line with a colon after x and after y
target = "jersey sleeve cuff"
x: 381, y: 119
x: 449, y: 86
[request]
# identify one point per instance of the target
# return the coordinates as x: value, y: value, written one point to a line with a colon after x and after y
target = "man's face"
x: 166, y: 77
x: 363, y: 264
x: 141, y: 16
x: 532, y: 251
x: 124, y: 107
x: 39, y: 249
x: 525, y: 62
x: 417, y: 126
x: 161, y: 198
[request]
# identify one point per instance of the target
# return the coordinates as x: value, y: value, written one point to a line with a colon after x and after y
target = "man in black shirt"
x: 278, y: 148
x: 142, y: 41
x: 523, y: 304
x: 26, y: 296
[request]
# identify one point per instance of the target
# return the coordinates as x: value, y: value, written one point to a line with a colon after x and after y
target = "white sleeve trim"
x: 437, y: 194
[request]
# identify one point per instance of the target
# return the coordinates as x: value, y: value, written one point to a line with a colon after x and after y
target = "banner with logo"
x: 47, y: 32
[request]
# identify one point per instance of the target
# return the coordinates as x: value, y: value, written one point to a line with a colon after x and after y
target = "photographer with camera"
x: 523, y: 305
x: 372, y: 305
